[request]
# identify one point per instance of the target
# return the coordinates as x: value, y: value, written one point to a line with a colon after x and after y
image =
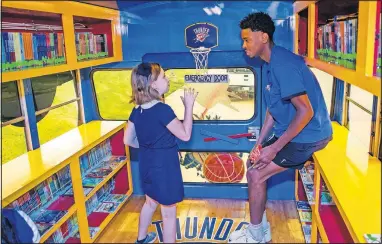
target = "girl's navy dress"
x: 159, y: 164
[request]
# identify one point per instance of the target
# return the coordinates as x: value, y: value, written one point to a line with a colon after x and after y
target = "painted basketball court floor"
x: 229, y: 214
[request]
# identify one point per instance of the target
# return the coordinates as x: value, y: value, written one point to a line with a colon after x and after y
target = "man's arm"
x: 267, y: 127
x: 304, y: 113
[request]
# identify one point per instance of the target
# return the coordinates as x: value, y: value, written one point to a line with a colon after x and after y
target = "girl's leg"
x: 169, y: 223
x: 147, y: 212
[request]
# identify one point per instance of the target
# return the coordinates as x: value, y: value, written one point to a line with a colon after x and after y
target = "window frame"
x: 77, y: 99
x: 347, y: 102
x: 24, y: 116
x: 256, y: 92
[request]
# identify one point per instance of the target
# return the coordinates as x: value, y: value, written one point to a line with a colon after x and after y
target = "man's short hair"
x: 259, y: 21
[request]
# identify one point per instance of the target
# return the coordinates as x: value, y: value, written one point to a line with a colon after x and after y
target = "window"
x: 234, y: 100
x: 326, y: 83
x: 56, y: 104
x: 360, y: 107
x: 13, y: 141
x: 113, y: 93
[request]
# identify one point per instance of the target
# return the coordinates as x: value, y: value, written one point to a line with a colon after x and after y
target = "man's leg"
x: 257, y: 193
x: 257, y: 189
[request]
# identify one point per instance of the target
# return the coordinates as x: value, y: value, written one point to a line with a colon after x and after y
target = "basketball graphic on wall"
x: 223, y: 168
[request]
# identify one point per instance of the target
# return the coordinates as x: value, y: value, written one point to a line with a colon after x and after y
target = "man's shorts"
x: 294, y: 155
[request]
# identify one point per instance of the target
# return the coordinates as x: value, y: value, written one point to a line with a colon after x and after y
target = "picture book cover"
x: 106, y: 207
x: 302, y: 205
x: 100, y: 172
x: 43, y: 227
x: 49, y: 216
x: 326, y: 198
x: 306, y: 179
x: 116, y: 198
x: 305, y: 216
x: 307, y: 229
x: 91, y: 182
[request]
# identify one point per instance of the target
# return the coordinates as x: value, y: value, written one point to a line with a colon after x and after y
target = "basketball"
x: 223, y: 168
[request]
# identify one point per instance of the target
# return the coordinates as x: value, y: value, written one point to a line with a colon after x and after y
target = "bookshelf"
x: 340, y: 192
x: 352, y: 58
x: 74, y: 185
x: 94, y: 40
x: 63, y: 23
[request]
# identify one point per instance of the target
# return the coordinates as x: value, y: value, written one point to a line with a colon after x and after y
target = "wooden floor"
x: 282, y: 215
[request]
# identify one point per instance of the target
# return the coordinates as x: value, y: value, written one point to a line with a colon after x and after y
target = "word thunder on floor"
x: 207, y: 220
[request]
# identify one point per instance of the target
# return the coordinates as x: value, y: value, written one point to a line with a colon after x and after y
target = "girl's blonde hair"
x: 142, y: 77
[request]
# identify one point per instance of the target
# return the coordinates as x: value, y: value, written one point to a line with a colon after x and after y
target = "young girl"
x: 152, y: 127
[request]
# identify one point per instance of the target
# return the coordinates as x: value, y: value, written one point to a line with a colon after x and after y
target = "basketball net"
x: 201, y: 59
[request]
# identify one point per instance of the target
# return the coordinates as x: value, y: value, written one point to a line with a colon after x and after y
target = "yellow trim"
x: 311, y: 29
x: 296, y: 185
x: 79, y: 197
x: 366, y: 37
x: 69, y: 9
x: 64, y: 7
x: 296, y: 33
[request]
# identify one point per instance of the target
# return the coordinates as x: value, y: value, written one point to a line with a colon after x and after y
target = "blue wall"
x: 160, y: 28
x: 156, y: 28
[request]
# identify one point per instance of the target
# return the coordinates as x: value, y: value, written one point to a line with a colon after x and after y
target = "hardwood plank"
x: 282, y: 215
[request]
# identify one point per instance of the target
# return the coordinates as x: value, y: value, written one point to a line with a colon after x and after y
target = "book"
x: 306, y: 179
x: 302, y: 205
x: 116, y: 198
x: 106, y: 207
x: 91, y: 182
x: 305, y: 216
x: 49, y: 216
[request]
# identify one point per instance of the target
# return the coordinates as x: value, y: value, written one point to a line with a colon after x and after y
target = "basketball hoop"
x: 201, y: 59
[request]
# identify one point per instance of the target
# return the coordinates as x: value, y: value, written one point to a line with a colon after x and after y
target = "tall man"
x: 296, y: 118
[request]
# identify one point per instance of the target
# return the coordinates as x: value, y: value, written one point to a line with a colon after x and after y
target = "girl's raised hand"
x: 189, y: 97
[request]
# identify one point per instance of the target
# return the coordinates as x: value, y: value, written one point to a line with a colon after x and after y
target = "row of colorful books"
x: 68, y: 232
x: 307, y: 176
x: 95, y: 156
x: 89, y: 45
x: 45, y: 192
x: 20, y: 50
x: 378, y: 46
x: 305, y: 215
x: 105, y: 190
x: 98, y: 172
x: 101, y: 204
x: 337, y: 41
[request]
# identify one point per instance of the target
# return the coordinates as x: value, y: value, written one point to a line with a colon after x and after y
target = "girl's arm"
x: 182, y: 130
x: 179, y: 129
x: 130, y: 137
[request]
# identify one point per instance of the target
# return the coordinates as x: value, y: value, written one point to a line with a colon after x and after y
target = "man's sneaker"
x: 243, y: 236
x: 267, y: 233
x: 150, y: 238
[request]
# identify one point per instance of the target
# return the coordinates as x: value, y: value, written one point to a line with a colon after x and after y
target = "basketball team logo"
x: 201, y: 34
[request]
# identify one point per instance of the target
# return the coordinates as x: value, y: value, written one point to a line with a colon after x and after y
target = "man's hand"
x: 267, y: 154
